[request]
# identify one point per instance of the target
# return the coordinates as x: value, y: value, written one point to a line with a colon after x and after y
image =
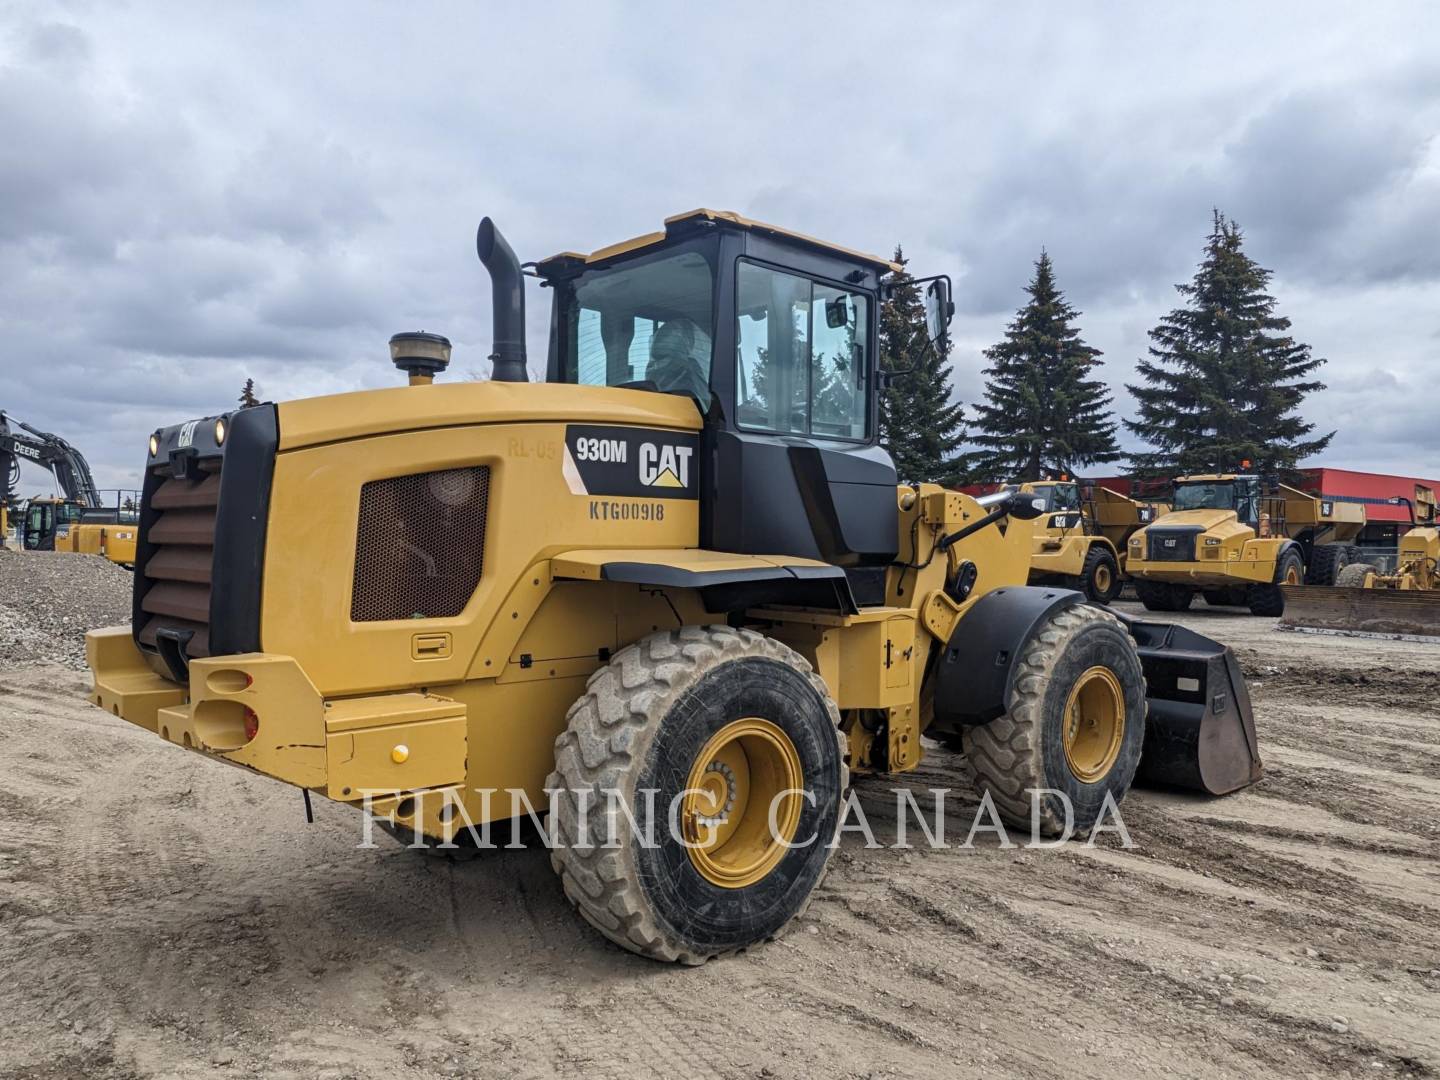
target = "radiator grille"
x: 1172, y: 545
x: 420, y: 543
x: 182, y: 546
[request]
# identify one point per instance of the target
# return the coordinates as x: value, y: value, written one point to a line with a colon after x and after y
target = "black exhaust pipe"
x: 507, y: 299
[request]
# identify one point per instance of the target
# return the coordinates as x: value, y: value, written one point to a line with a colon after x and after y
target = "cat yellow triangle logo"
x: 667, y: 479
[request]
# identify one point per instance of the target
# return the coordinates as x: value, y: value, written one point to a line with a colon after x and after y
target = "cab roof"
x: 682, y: 224
x: 1212, y: 477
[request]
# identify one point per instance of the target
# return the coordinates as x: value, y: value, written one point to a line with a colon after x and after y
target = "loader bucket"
x: 1383, y: 612
x: 1200, y: 732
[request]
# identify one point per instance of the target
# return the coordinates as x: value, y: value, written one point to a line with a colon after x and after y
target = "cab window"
x: 801, y: 365
x: 646, y: 324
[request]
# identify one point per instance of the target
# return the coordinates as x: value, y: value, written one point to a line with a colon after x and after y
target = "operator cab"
x: 775, y: 338
x: 1058, y: 495
x: 44, y: 518
x: 1225, y: 492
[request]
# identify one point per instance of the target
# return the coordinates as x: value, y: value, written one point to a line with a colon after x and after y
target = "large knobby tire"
x: 1155, y: 595
x: 1269, y: 600
x: 1164, y: 596
x: 1100, y: 579
x: 1354, y: 575
x: 646, y: 721
x: 1325, y: 563
x: 1080, y: 657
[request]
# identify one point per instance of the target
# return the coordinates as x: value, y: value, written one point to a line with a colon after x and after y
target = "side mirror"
x: 837, y: 312
x: 939, y: 308
x: 1027, y: 507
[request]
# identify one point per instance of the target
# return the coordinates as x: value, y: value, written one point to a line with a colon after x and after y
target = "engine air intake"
x: 420, y: 544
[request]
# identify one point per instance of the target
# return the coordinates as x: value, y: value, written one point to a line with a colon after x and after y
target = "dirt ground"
x: 165, y: 915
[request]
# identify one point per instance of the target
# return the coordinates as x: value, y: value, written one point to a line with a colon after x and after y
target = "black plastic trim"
x: 976, y: 675
x: 824, y: 587
x: 240, y: 525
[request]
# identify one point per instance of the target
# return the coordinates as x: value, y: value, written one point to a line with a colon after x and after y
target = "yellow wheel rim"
x: 1094, y: 724
x: 741, y: 771
x: 1102, y: 579
x: 1292, y: 575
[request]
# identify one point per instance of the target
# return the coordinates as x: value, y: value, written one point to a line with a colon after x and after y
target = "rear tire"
x: 1354, y: 575
x: 1100, y: 579
x: 1080, y: 659
x: 652, y: 719
x: 1325, y: 563
x: 1269, y: 600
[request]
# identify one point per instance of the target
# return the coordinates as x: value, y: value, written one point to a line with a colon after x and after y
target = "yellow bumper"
x: 348, y: 748
x: 1218, y: 573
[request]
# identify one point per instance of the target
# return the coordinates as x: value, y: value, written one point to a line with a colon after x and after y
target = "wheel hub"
x: 1094, y: 724
x: 746, y: 777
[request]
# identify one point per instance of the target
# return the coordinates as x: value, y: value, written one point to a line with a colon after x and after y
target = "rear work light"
x: 252, y: 725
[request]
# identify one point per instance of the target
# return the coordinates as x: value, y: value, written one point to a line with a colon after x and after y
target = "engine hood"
x: 311, y: 421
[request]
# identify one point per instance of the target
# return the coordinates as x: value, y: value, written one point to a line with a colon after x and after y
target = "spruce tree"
x: 1044, y: 410
x: 919, y: 425
x: 1225, y: 380
x: 248, y: 394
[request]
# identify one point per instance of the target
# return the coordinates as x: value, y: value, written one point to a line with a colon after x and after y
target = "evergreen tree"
x: 248, y: 395
x: 919, y: 425
x: 1044, y: 410
x: 1225, y: 380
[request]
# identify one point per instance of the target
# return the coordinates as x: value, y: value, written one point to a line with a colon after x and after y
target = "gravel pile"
x: 49, y: 599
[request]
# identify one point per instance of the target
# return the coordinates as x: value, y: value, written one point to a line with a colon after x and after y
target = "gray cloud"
x: 195, y: 196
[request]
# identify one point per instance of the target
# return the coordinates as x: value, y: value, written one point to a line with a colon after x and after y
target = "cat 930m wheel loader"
x: 676, y: 580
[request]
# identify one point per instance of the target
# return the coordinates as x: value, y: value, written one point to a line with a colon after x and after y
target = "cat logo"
x: 1170, y: 543
x: 665, y: 465
x: 187, y: 434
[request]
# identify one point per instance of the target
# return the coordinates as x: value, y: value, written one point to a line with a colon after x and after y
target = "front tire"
x: 1164, y: 596
x: 1354, y: 575
x: 1077, y: 724
x: 1269, y: 600
x: 1100, y: 579
x: 733, y: 718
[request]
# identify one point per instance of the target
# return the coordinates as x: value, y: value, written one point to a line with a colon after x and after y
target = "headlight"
x: 1135, y: 541
x: 1211, y: 541
x: 220, y: 432
x: 154, y: 445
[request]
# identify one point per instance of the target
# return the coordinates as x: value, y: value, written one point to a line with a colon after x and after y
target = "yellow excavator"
x: 674, y: 594
x: 1082, y: 540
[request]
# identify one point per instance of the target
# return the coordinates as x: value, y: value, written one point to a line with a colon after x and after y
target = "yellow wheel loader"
x: 1238, y: 541
x: 673, y: 594
x: 1081, y: 540
x: 1405, y: 600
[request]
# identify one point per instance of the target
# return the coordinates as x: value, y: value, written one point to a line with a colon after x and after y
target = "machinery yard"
x: 161, y: 914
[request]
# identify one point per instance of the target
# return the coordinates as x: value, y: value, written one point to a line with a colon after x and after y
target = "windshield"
x: 1061, y: 497
x: 647, y: 324
x: 1205, y: 496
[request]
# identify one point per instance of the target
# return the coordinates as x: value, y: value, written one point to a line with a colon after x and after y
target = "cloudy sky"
x: 195, y: 194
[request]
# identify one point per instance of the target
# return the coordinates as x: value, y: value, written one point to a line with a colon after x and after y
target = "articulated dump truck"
x: 1081, y: 541
x: 679, y: 573
x: 1238, y: 540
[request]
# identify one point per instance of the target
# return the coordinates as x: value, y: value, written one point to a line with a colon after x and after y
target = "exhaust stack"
x: 507, y: 291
